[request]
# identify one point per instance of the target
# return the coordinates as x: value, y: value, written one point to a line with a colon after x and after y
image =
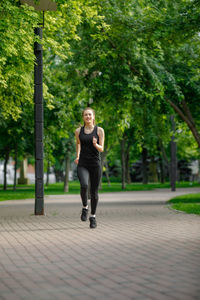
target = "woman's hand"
x: 94, y: 141
x: 76, y: 161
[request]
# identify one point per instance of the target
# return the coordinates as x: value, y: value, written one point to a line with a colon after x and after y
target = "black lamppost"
x: 43, y: 5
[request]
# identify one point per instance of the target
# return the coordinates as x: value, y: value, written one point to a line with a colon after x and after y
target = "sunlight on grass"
x: 188, y: 203
x: 190, y: 208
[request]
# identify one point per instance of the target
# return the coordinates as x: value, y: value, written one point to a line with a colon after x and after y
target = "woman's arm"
x: 100, y: 146
x: 78, y: 145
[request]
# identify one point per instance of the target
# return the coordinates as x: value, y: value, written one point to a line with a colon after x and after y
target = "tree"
x: 17, y: 57
x: 133, y: 41
x: 133, y: 61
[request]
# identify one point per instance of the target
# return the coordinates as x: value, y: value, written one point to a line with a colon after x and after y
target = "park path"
x: 141, y: 249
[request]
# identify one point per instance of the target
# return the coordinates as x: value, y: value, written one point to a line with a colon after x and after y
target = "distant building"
x: 30, y: 173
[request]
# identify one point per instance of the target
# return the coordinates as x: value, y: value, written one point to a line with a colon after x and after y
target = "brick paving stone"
x: 140, y: 249
x: 10, y: 296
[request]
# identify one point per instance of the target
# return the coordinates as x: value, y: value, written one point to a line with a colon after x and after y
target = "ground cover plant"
x: 187, y: 203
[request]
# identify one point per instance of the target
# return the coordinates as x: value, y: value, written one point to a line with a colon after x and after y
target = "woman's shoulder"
x: 100, y: 130
x: 77, y: 131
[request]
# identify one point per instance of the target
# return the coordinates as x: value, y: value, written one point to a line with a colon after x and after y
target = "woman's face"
x: 88, y: 117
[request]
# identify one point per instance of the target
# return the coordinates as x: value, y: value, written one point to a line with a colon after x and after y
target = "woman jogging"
x: 89, y: 142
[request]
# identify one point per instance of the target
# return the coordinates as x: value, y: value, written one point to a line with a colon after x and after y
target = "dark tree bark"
x: 15, y: 169
x: 48, y: 172
x: 5, y: 169
x: 153, y: 175
x: 162, y: 170
x: 173, y: 169
x: 66, y: 179
x: 59, y: 175
x: 127, y: 158
x: 103, y: 161
x: 165, y: 160
x: 123, y: 163
x: 144, y: 166
x: 107, y: 172
x: 161, y: 164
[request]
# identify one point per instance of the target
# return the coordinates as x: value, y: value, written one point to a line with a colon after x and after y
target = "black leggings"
x: 94, y: 173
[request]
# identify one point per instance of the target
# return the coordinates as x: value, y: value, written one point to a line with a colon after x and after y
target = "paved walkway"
x: 141, y: 249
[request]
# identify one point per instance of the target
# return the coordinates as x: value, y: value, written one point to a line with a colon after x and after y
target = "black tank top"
x: 89, y: 155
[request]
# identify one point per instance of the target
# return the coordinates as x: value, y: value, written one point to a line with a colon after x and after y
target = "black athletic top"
x: 89, y: 155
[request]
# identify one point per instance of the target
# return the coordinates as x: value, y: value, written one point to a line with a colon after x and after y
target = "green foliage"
x: 124, y: 58
x: 17, y: 57
x: 187, y: 203
x: 190, y: 198
x: 187, y: 148
x: 193, y: 208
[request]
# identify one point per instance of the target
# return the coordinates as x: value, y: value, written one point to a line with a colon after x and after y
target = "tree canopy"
x: 136, y: 62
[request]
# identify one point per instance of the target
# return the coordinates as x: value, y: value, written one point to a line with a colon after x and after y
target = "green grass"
x: 20, y: 193
x: 28, y: 191
x: 188, y: 203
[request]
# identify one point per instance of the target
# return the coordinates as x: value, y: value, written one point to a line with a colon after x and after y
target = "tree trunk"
x: 5, y: 169
x: 127, y: 157
x: 48, y: 172
x: 173, y: 169
x: 107, y: 172
x: 144, y: 166
x: 59, y: 175
x: 15, y: 170
x: 164, y: 158
x: 123, y: 164
x: 153, y: 175
x: 23, y: 179
x: 66, y: 180
x: 198, y: 177
x: 161, y: 164
x: 162, y: 170
x: 103, y: 159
